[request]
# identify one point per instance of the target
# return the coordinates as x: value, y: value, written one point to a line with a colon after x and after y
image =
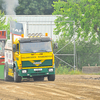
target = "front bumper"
x: 31, y: 72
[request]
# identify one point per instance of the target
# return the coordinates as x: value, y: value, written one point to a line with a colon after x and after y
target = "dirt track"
x: 65, y: 87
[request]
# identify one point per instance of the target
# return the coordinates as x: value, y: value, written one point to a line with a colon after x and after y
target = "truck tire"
x: 16, y: 77
x: 6, y: 77
x: 37, y: 78
x: 51, y: 77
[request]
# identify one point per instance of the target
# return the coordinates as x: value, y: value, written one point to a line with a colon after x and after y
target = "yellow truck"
x: 30, y: 57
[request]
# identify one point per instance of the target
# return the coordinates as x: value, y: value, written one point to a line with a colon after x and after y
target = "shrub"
x: 67, y: 70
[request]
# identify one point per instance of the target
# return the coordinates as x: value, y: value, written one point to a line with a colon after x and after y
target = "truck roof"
x: 35, y: 39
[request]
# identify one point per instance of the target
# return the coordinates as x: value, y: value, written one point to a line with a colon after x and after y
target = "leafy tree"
x: 35, y: 7
x: 3, y: 26
x: 2, y: 21
x: 85, y: 13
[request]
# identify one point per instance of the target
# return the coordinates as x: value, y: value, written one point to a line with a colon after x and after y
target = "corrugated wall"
x: 37, y: 23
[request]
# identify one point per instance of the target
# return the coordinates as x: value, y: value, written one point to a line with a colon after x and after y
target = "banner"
x: 3, y: 34
x: 16, y: 28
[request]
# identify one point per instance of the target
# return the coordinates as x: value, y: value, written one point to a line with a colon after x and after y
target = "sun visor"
x: 45, y: 39
x: 23, y: 40
x: 37, y: 39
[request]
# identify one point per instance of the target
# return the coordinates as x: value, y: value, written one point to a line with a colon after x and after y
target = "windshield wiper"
x: 43, y: 50
x: 26, y: 51
x: 35, y: 51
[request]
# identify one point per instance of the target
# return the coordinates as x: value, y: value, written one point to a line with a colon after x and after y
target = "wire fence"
x: 69, y: 53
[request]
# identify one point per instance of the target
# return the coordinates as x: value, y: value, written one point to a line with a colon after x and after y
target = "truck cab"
x: 30, y: 57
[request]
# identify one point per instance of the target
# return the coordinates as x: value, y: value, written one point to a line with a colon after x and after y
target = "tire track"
x: 82, y: 85
x: 74, y: 88
x: 57, y: 90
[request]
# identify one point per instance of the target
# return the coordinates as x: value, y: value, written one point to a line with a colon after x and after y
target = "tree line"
x: 85, y: 14
x: 33, y: 7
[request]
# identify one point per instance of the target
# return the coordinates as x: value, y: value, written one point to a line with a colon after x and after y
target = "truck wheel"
x: 37, y: 78
x: 16, y: 77
x: 51, y: 77
x: 6, y: 77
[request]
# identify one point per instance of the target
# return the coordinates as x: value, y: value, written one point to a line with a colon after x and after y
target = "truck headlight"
x: 51, y: 70
x: 24, y: 71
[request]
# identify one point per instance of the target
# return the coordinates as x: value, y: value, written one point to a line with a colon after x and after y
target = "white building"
x: 36, y: 23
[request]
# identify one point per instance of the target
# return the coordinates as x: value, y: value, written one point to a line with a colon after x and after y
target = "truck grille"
x: 30, y: 64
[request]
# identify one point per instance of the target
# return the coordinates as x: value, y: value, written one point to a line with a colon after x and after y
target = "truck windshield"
x: 35, y: 47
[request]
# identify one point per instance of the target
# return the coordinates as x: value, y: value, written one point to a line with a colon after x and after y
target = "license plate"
x: 37, y: 69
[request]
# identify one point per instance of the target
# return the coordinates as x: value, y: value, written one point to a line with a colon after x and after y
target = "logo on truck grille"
x: 37, y: 63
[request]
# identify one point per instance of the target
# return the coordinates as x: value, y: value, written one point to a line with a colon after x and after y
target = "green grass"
x: 1, y: 71
x: 63, y: 70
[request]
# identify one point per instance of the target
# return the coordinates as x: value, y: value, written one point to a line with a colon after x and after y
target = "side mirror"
x: 14, y: 47
x: 55, y: 45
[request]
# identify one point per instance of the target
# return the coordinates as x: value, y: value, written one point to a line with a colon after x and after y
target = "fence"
x: 87, y: 54
x: 79, y: 54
